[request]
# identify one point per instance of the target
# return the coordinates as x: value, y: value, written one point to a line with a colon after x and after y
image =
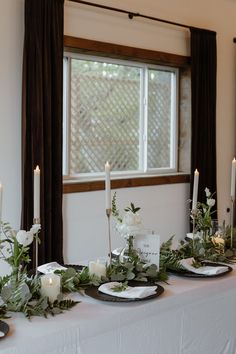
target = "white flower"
x: 131, y: 223
x: 208, y: 193
x: 24, y: 238
x: 131, y: 219
x: 210, y: 202
x: 35, y: 228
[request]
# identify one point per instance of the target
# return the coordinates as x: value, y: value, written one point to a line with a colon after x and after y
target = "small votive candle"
x: 50, y: 286
x: 97, y: 268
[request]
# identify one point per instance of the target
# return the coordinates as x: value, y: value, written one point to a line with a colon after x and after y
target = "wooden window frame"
x: 97, y: 48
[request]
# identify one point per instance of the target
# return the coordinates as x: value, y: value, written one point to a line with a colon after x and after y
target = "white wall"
x: 163, y: 207
x: 11, y: 39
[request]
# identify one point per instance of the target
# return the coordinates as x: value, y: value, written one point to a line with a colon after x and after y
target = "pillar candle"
x: 108, y: 185
x: 195, y: 189
x: 50, y: 286
x: 233, y: 174
x: 37, y: 193
x: 97, y: 268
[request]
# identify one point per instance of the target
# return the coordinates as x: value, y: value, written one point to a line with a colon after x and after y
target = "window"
x: 119, y: 111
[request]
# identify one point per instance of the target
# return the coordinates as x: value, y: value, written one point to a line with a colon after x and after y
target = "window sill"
x: 89, y: 186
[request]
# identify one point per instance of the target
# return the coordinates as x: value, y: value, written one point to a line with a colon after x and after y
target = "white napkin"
x: 50, y: 267
x: 205, y: 270
x: 136, y: 292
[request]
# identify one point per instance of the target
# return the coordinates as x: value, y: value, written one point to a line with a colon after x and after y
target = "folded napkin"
x: 135, y: 292
x: 205, y: 270
x: 50, y: 268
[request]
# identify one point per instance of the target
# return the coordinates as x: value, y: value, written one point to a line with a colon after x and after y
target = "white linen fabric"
x: 192, y: 316
x: 205, y: 270
x: 135, y: 292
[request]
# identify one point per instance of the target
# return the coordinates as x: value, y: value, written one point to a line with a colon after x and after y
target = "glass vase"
x: 128, y: 253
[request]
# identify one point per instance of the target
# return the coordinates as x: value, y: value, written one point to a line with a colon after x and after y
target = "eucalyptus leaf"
x: 130, y: 276
x: 117, y: 277
x: 6, y: 293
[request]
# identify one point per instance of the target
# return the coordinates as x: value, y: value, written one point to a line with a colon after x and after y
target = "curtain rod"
x: 130, y: 14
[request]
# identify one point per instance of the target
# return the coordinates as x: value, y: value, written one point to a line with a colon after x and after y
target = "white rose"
x: 208, y: 193
x: 211, y: 202
x: 137, y: 219
x: 129, y: 218
x: 35, y: 228
x: 131, y: 223
x: 24, y: 238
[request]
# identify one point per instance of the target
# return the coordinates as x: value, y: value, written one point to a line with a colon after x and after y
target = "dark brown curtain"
x: 203, y: 76
x: 42, y: 121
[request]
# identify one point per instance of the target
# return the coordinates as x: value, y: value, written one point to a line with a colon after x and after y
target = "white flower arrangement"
x: 130, y: 223
x: 14, y: 246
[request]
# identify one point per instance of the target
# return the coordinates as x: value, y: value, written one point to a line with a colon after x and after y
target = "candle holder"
x: 194, y: 214
x: 231, y: 222
x: 36, y: 221
x: 108, y: 214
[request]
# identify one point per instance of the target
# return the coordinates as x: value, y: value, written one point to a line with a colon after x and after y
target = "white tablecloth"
x: 192, y: 317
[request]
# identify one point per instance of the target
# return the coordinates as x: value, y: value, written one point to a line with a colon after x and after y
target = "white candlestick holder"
x: 194, y: 213
x: 108, y: 214
x: 36, y: 221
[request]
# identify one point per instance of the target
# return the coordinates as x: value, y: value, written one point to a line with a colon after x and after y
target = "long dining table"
x: 192, y: 316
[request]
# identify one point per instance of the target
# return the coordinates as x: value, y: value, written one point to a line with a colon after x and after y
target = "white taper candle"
x: 108, y: 185
x: 37, y: 193
x: 233, y: 174
x: 195, y: 189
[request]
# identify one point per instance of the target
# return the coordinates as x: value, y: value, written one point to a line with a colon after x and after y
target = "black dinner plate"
x: 4, y: 328
x: 74, y: 266
x: 98, y: 295
x: 188, y: 274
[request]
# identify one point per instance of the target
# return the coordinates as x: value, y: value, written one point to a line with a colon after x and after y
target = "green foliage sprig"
x: 23, y: 295
x: 135, y: 270
x: 132, y: 208
x: 76, y: 281
x: 114, y: 210
x: 20, y: 292
x: 201, y: 249
x: 120, y: 287
x: 204, y: 212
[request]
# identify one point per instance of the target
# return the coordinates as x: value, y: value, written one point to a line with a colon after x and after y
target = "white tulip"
x: 208, y: 193
x: 211, y: 202
x: 35, y: 228
x: 24, y: 238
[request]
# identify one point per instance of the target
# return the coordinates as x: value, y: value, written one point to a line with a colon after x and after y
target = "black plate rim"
x: 4, y: 327
x: 95, y: 294
x: 188, y: 274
